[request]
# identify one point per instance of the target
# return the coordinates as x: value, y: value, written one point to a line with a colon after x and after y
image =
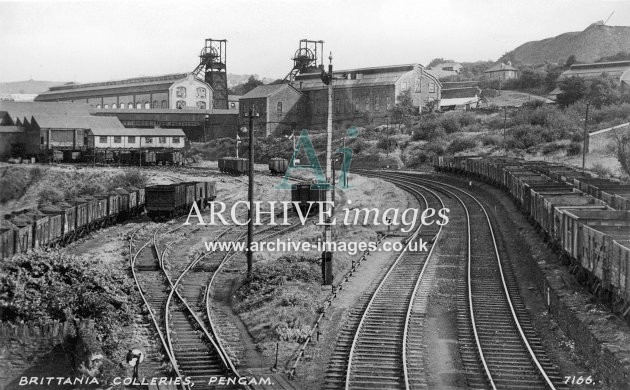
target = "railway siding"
x: 597, y: 334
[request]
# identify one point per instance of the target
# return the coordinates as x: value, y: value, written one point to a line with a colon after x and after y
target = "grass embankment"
x: 284, y: 296
x: 28, y: 186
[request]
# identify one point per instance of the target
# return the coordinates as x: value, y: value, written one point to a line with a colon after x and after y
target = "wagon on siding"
x: 7, y: 239
x: 306, y: 195
x: 278, y: 165
x: 165, y: 201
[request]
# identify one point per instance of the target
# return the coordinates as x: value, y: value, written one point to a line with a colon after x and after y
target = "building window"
x: 389, y: 102
x: 356, y: 104
x: 337, y: 106
x: 138, y: 106
x: 175, y: 140
x: 122, y: 106
x: 377, y: 103
x: 107, y: 106
x: 102, y: 140
x: 367, y: 103
x: 117, y: 139
x: 180, y: 104
x: 162, y: 140
x: 180, y: 92
x: 131, y: 140
x: 232, y: 105
x: 98, y: 106
x: 417, y: 89
x: 403, y: 86
x: 156, y: 104
x: 201, y: 105
x: 279, y: 108
x: 147, y: 105
x: 114, y: 106
x: 130, y: 106
x: 431, y: 87
x: 201, y: 93
x: 148, y: 140
x: 42, y: 140
x: 164, y: 104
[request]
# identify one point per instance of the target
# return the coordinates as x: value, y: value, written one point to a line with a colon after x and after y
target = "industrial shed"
x: 11, y: 141
x: 135, y: 139
x: 174, y: 91
x: 367, y: 92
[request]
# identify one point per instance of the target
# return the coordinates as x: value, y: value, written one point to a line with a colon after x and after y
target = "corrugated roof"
x: 440, y: 73
x: 77, y: 122
x: 125, y: 82
x: 466, y: 92
x: 500, y: 67
x: 132, y: 131
x: 591, y: 72
x: 458, y: 101
x: 262, y: 91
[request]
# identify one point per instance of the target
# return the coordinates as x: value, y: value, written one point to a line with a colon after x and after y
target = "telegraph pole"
x: 250, y: 192
x: 327, y: 78
x: 585, y: 146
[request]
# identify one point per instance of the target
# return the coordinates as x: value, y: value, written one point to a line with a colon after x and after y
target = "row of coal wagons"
x: 147, y: 157
x: 305, y: 196
x: 586, y: 218
x: 65, y: 221
x: 234, y: 165
x: 278, y: 165
x: 166, y: 201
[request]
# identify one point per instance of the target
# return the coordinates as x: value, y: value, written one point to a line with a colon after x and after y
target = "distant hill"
x: 236, y: 79
x: 27, y: 87
x: 597, y: 41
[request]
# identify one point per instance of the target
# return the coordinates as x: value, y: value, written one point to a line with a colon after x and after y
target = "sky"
x: 93, y: 40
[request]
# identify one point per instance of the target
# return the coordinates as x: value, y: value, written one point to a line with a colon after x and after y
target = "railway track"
x: 498, y: 344
x: 382, y: 351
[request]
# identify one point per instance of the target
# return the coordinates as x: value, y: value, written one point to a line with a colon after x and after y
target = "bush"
x: 601, y: 170
x: 437, y: 147
x: 461, y: 144
x: 552, y: 148
x: 524, y: 136
x: 491, y: 140
x: 50, y: 195
x: 574, y: 149
x: 450, y: 124
x: 47, y: 286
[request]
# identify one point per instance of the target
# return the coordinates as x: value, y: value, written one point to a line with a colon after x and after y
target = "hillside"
x: 27, y: 87
x: 589, y: 45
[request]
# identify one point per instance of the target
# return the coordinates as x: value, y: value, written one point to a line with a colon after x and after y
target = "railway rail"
x: 174, y: 291
x: 497, y: 338
x: 383, y: 350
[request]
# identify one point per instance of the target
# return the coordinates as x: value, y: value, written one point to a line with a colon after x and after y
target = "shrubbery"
x: 46, y: 286
x: 461, y: 144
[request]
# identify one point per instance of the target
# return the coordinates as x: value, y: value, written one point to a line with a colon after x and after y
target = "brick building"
x: 280, y: 107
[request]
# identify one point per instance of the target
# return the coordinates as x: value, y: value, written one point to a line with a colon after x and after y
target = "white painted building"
x: 133, y: 138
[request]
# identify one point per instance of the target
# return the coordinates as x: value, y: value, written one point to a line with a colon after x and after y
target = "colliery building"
x: 360, y: 95
x: 617, y: 70
x: 174, y: 91
x: 68, y: 132
x: 197, y: 102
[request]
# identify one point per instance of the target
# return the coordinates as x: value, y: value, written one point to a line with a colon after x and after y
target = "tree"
x: 242, y: 89
x: 573, y: 89
x: 553, y: 72
x: 436, y: 61
x: 602, y: 91
x: 570, y: 61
